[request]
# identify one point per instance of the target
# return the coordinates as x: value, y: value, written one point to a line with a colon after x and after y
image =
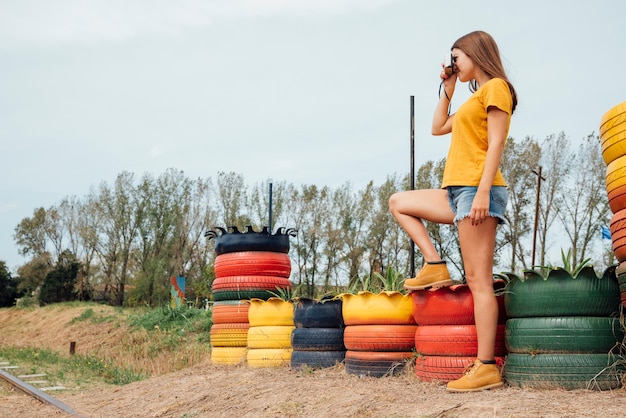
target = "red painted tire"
x: 230, y: 312
x: 452, y: 305
x: 379, y: 337
x: 236, y: 283
x: 453, y: 340
x: 444, y: 368
x: 618, y: 235
x: 253, y: 263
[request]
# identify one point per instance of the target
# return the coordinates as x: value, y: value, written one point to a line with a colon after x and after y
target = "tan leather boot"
x: 478, y: 377
x: 433, y: 274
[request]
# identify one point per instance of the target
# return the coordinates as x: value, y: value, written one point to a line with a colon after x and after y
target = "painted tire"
x: 453, y: 340
x: 253, y: 263
x: 452, y: 305
x: 268, y: 357
x: 224, y: 295
x: 379, y: 337
x: 309, y: 313
x: 250, y: 240
x: 317, y: 339
x: 230, y: 356
x: 366, y: 308
x: 617, y: 198
x: 564, y: 371
x: 616, y: 179
x: 229, y: 335
x: 613, y: 133
x: 269, y: 336
x: 618, y: 235
x: 230, y: 311
x: 561, y: 295
x: 376, y: 364
x: 236, y: 283
x: 570, y: 335
x: 444, y: 368
x: 273, y: 311
x: 621, y: 281
x: 316, y: 359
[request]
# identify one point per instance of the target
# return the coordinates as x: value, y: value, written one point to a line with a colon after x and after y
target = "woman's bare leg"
x: 412, y: 207
x: 477, y: 250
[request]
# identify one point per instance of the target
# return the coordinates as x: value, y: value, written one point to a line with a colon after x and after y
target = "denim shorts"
x: 462, y: 197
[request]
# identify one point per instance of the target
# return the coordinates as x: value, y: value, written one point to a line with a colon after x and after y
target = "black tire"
x: 316, y: 359
x: 379, y: 368
x: 561, y: 295
x: 250, y: 240
x: 564, y: 371
x: 317, y: 339
x: 309, y: 313
x: 569, y: 335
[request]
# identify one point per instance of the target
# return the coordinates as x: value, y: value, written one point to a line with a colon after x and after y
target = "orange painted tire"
x: 453, y: 340
x: 238, y: 283
x: 366, y: 308
x: 273, y: 311
x: 270, y: 336
x: 450, y: 305
x: 253, y: 263
x: 230, y: 312
x: 229, y: 335
x: 230, y: 356
x: 617, y: 198
x: 618, y: 235
x: 613, y: 118
x: 379, y: 337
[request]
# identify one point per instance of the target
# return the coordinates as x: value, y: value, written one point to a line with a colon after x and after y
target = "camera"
x: 448, y: 65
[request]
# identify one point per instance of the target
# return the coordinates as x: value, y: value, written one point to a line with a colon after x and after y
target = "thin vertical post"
x: 270, y: 210
x: 412, y: 175
x: 539, y: 178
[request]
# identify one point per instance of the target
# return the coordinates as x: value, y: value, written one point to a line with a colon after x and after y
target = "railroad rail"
x: 37, y: 393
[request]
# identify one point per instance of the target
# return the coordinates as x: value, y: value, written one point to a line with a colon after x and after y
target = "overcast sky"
x: 302, y: 91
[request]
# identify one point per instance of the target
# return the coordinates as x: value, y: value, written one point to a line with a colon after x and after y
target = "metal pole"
x: 270, y: 210
x: 539, y: 178
x: 412, y: 174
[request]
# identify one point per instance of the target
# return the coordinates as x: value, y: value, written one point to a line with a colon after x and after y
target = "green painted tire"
x: 568, y: 335
x: 564, y: 371
x: 562, y: 295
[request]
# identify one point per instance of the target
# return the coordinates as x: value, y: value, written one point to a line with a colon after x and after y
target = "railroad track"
x: 36, y: 393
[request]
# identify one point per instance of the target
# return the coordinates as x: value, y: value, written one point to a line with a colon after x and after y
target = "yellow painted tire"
x: 385, y: 308
x: 613, y: 133
x: 229, y: 335
x: 269, y: 357
x: 230, y: 356
x: 273, y: 311
x: 615, y: 176
x: 270, y: 336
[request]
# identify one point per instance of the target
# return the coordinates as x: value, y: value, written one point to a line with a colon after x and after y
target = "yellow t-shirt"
x: 468, y: 147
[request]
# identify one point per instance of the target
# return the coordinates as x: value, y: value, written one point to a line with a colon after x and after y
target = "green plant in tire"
x: 572, y: 269
x: 286, y: 293
x: 392, y: 281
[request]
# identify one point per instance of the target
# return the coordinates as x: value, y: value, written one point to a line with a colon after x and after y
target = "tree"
x: 8, y: 287
x: 59, y: 285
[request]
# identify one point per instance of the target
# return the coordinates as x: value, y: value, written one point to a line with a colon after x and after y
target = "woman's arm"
x: 497, y: 121
x: 442, y: 122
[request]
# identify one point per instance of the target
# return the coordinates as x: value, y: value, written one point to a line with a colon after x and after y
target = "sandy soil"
x: 208, y: 390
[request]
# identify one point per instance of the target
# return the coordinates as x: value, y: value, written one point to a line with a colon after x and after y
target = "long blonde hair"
x: 484, y: 52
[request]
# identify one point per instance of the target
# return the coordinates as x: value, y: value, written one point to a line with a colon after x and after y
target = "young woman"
x: 473, y: 194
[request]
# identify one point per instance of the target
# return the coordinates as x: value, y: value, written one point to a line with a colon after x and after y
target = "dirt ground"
x: 208, y: 390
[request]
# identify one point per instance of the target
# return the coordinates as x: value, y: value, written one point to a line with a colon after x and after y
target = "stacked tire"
x: 317, y: 339
x: 380, y: 333
x: 445, y: 338
x: 248, y: 265
x: 613, y: 139
x: 269, y: 335
x: 562, y: 331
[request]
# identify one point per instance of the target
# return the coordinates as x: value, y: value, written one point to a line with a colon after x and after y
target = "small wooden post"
x: 72, y: 347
